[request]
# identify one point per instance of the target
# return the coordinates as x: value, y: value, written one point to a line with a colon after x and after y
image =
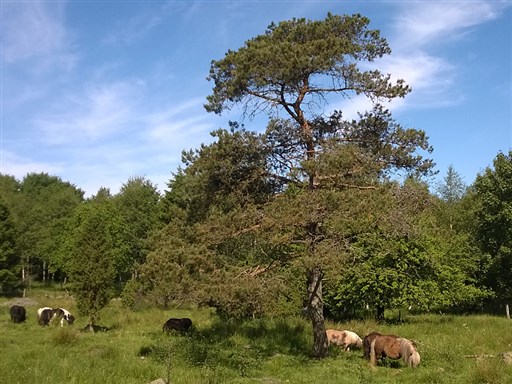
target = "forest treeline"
x: 313, y: 211
x: 224, y: 235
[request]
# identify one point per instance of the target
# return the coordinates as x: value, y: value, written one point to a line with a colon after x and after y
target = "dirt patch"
x: 23, y: 301
x: 507, y: 357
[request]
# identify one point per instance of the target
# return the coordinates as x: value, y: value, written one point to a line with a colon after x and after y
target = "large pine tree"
x: 295, y: 67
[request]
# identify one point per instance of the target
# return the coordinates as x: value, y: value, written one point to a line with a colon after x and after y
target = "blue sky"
x: 97, y: 92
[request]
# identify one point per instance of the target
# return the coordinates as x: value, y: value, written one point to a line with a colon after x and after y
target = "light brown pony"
x: 409, y: 353
x: 394, y: 348
x: 344, y: 339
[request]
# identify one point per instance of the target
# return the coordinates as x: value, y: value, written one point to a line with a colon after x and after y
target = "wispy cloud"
x: 126, y: 32
x: 134, y: 29
x: 179, y: 122
x: 419, y: 27
x: 19, y: 166
x: 99, y: 111
x: 115, y: 131
x: 421, y: 23
x: 36, y: 30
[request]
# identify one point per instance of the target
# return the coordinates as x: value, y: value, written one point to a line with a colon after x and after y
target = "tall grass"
x: 133, y: 349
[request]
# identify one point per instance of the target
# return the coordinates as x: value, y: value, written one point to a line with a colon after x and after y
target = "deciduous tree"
x: 494, y: 223
x: 9, y: 259
x: 44, y: 211
x: 94, y: 248
x: 137, y: 205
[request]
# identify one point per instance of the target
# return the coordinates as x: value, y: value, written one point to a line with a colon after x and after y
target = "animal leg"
x: 373, y: 357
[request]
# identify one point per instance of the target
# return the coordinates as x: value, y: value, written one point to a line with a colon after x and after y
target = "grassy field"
x: 454, y: 349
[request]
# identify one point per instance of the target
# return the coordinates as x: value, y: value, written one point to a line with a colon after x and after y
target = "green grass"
x: 135, y: 350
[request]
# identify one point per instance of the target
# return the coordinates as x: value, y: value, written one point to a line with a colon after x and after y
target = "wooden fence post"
x: 507, y: 311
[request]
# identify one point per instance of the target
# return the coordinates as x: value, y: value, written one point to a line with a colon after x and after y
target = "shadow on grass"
x: 267, y: 336
x: 238, y: 345
x: 95, y: 328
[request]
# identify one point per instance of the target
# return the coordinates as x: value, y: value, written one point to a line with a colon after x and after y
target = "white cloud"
x: 421, y: 22
x: 421, y: 26
x: 180, y: 125
x: 99, y: 111
x: 19, y: 166
x: 111, y: 131
x: 36, y: 30
x: 431, y: 78
x: 418, y: 27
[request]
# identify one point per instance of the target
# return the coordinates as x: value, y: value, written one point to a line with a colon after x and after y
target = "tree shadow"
x: 268, y: 337
x: 95, y: 328
x: 234, y: 344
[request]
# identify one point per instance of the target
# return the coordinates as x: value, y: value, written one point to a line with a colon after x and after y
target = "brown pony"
x: 394, y: 348
x: 367, y: 341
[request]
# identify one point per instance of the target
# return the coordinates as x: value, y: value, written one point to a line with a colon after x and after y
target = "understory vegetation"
x: 133, y: 349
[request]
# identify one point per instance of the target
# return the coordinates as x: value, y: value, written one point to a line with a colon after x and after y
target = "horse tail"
x: 373, y: 357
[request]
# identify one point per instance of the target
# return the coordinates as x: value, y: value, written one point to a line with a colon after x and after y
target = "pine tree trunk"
x: 316, y: 312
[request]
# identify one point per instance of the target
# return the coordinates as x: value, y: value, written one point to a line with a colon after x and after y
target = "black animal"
x: 44, y: 315
x: 180, y: 325
x: 18, y: 314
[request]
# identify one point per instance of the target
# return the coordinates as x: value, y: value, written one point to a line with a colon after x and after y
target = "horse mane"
x: 409, y: 353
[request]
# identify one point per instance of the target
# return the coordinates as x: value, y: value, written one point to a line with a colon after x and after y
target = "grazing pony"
x: 409, y: 353
x: 394, y: 348
x: 344, y: 339
x: 181, y: 325
x: 367, y: 341
x: 46, y: 314
x: 18, y: 313
x: 64, y: 315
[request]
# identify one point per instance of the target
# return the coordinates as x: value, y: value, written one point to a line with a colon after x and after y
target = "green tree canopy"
x: 9, y: 259
x: 94, y: 249
x: 229, y: 173
x: 45, y: 209
x: 138, y: 206
x: 299, y: 59
x: 402, y: 254
x: 494, y: 222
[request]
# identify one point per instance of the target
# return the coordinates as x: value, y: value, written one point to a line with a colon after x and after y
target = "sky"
x: 98, y: 92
